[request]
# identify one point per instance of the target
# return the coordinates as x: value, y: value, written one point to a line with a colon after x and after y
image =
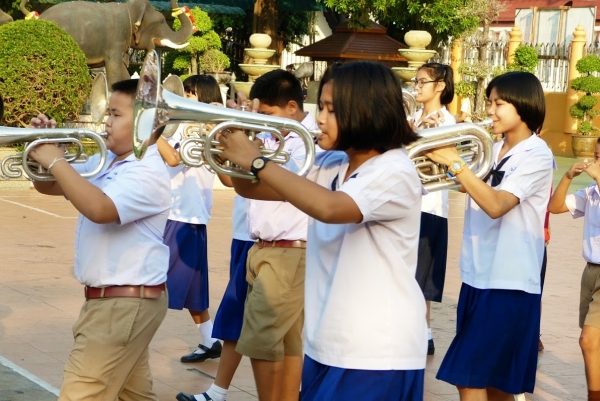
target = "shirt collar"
x: 533, y: 142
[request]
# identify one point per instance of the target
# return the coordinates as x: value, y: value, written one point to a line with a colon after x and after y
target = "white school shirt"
x: 506, y: 253
x: 363, y: 307
x: 436, y: 202
x: 131, y: 251
x: 191, y: 188
x: 239, y: 220
x: 274, y: 221
x: 586, y: 202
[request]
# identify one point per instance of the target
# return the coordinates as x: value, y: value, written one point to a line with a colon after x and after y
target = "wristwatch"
x: 258, y: 164
x: 456, y: 167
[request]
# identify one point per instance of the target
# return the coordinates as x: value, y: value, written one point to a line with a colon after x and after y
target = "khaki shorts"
x: 274, y: 309
x: 589, y: 301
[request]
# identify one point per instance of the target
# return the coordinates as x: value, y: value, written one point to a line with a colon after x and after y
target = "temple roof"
x: 371, y: 43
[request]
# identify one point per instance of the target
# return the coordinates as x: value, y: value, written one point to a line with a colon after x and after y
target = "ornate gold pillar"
x: 516, y: 37
x: 577, y: 45
x: 456, y: 59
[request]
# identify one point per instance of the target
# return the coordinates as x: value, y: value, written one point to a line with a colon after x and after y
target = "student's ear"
x: 441, y: 85
x: 291, y: 108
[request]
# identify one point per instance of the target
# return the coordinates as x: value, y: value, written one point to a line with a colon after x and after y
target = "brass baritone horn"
x: 14, y: 166
x: 475, y: 148
x: 156, y: 107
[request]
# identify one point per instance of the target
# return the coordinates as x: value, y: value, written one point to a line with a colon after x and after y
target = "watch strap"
x: 454, y: 172
x: 254, y: 170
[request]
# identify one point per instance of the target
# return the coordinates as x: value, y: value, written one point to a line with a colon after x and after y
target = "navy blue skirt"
x: 327, y: 383
x: 433, y: 252
x: 230, y: 316
x: 496, y: 342
x: 187, y: 278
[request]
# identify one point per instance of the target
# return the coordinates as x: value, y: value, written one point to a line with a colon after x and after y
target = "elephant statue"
x: 106, y: 31
x: 5, y: 18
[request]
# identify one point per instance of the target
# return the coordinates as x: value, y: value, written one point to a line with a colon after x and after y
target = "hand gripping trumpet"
x: 14, y: 166
x: 156, y: 107
x: 475, y: 148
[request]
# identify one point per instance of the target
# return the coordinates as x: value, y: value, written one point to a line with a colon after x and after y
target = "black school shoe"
x: 430, y: 347
x: 190, y: 397
x: 209, y: 353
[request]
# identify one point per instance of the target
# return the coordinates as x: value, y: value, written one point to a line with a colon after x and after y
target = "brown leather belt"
x: 594, y: 264
x: 281, y: 244
x: 125, y: 291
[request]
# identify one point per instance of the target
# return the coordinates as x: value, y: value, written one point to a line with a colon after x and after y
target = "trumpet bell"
x: 409, y: 102
x: 155, y: 107
x: 173, y: 84
x: 99, y: 98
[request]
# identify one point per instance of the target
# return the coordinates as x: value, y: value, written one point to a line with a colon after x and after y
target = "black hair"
x: 205, y: 87
x: 128, y: 87
x: 444, y: 73
x: 277, y: 88
x: 368, y: 107
x: 524, y: 91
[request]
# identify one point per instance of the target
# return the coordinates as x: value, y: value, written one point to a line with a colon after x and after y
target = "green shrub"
x: 214, y: 60
x: 583, y: 110
x: 465, y: 88
x: 525, y: 59
x: 189, y: 59
x: 42, y: 70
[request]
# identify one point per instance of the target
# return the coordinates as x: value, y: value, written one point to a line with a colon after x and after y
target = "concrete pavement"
x: 40, y: 300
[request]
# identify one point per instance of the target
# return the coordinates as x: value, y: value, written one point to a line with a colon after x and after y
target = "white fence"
x: 553, y: 61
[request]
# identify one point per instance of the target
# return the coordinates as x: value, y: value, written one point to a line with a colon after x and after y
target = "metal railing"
x: 553, y: 61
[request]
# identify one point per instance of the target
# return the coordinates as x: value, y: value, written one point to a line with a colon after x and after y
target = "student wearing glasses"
x: 434, y: 85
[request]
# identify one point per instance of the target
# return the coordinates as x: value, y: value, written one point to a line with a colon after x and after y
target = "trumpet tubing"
x: 474, y: 145
x: 155, y: 107
x: 14, y: 166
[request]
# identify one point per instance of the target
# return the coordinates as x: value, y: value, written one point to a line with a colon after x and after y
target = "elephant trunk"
x: 22, y: 7
x: 184, y: 33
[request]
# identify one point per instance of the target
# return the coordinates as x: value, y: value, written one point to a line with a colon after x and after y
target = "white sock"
x: 215, y: 392
x: 429, y: 335
x: 205, y: 329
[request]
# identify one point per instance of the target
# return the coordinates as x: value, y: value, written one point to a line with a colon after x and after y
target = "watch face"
x: 258, y: 163
x: 455, y: 166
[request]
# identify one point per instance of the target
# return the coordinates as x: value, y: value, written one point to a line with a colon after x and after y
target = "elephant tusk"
x: 168, y: 43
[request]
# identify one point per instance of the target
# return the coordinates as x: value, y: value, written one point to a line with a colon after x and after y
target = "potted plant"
x: 214, y: 62
x: 584, y: 142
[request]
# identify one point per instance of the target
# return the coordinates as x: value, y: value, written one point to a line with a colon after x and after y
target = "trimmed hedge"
x: 42, y: 70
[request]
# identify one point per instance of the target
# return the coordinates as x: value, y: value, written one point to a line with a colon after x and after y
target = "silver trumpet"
x: 13, y: 166
x: 191, y: 148
x: 475, y: 148
x: 409, y: 102
x: 156, y: 107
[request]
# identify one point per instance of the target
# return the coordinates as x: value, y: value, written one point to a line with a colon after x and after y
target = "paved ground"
x: 40, y: 300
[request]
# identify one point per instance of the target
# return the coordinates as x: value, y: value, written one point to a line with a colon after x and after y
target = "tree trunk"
x: 194, y: 65
x: 480, y: 95
x: 266, y: 20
